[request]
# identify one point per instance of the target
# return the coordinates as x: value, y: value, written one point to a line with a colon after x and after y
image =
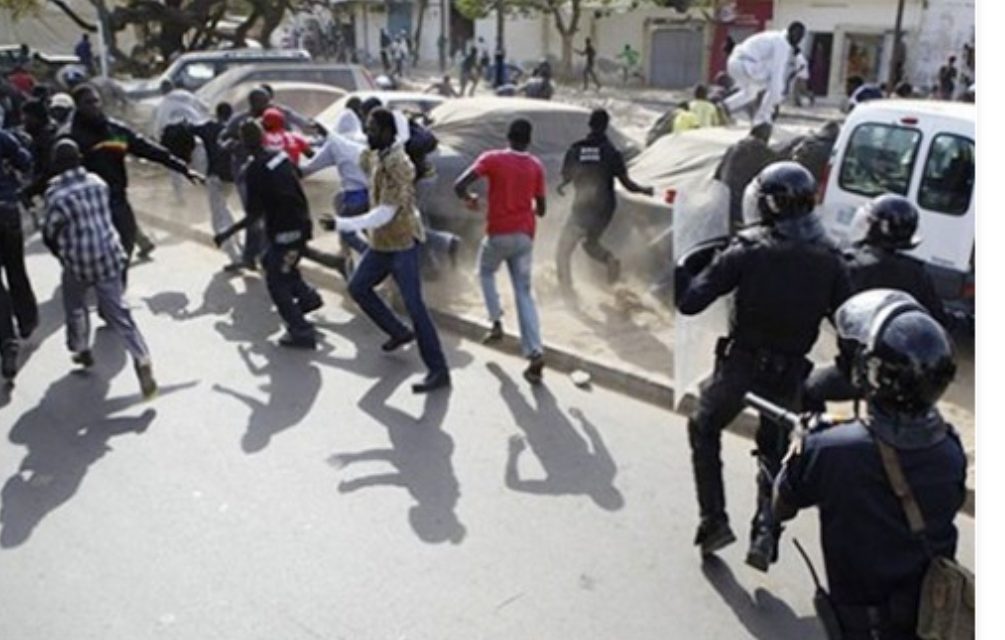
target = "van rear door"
x: 945, y: 198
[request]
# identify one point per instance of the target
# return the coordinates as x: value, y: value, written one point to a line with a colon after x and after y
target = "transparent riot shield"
x: 700, y: 213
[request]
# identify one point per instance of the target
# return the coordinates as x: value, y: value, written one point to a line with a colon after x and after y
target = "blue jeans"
x: 287, y: 287
x: 349, y: 204
x: 403, y: 266
x: 517, y: 251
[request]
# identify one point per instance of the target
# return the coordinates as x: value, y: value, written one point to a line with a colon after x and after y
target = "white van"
x: 925, y: 151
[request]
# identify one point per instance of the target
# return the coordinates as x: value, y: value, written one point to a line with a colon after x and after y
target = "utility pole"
x: 500, y: 55
x: 895, y: 59
x: 444, y: 33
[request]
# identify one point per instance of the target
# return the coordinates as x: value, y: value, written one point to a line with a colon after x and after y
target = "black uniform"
x: 275, y: 195
x: 787, y: 279
x: 591, y: 165
x: 872, y: 267
x: 871, y: 557
x: 741, y: 164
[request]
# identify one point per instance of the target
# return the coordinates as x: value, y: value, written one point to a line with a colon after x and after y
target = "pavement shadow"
x: 218, y: 298
x: 572, y: 465
x: 420, y: 454
x: 292, y: 388
x: 50, y: 321
x: 761, y: 613
x: 64, y: 437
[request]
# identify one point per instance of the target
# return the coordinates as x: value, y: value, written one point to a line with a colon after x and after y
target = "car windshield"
x: 880, y: 159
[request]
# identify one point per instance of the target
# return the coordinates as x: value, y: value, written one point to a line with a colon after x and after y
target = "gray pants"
x: 220, y: 217
x: 112, y: 307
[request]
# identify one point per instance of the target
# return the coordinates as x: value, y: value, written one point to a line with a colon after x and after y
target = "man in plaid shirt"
x: 78, y: 229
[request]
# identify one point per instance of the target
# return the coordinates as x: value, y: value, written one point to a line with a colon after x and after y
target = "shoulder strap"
x: 895, y: 474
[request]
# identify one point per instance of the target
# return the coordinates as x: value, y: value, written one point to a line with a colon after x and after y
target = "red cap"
x: 273, y: 119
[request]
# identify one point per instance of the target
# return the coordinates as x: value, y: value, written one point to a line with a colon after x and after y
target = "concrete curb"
x: 604, y: 374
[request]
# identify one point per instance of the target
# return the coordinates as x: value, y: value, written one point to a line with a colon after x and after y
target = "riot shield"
x: 701, y: 213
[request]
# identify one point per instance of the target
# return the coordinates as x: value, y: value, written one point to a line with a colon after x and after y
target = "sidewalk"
x: 621, y: 337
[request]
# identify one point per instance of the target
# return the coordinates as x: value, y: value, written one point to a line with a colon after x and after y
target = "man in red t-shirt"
x: 516, y: 194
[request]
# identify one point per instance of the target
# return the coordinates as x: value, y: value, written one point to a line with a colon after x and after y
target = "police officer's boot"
x: 764, y: 531
x: 713, y: 532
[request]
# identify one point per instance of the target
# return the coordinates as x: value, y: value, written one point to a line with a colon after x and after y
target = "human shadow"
x: 65, y: 436
x: 762, y: 614
x: 420, y: 454
x: 50, y: 321
x: 292, y: 387
x: 572, y: 465
x: 218, y: 299
x: 252, y: 318
x: 643, y: 349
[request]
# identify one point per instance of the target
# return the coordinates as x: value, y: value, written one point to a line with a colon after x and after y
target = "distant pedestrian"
x: 469, y: 72
x: 396, y: 233
x: 84, y: 53
x: 443, y: 88
x: 590, y: 54
x: 516, y: 195
x: 630, y: 68
x: 17, y: 300
x: 592, y: 164
x: 947, y: 79
x: 740, y: 164
x: 276, y: 197
x: 761, y: 65
x: 80, y: 232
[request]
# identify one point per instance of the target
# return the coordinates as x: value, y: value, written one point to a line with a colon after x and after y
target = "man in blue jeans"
x: 516, y: 193
x: 396, y: 233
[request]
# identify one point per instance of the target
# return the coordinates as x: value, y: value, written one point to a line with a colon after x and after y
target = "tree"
x: 180, y: 25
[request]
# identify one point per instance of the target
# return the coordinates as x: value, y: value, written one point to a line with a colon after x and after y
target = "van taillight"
x: 822, y: 187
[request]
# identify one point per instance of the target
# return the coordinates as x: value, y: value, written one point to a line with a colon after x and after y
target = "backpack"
x: 421, y: 143
x: 946, y: 607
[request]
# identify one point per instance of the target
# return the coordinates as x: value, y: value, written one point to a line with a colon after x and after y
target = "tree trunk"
x: 417, y: 39
x: 567, y: 54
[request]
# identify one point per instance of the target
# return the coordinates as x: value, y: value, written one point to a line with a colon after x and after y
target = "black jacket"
x: 875, y: 268
x: 41, y: 151
x: 104, y: 146
x: 592, y: 164
x: 275, y: 194
x: 785, y: 285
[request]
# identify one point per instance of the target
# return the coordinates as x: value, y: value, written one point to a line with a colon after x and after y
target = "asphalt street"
x: 279, y: 494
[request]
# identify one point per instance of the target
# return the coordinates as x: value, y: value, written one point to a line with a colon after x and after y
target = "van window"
x: 880, y: 159
x: 948, y: 181
x: 196, y: 74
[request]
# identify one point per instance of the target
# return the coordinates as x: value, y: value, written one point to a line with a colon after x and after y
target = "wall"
x: 945, y: 27
x: 370, y: 22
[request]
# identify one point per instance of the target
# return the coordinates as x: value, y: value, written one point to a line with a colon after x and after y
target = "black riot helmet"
x: 785, y: 190
x: 905, y: 360
x: 889, y: 221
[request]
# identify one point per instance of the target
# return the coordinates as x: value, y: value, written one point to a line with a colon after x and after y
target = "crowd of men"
x: 787, y: 274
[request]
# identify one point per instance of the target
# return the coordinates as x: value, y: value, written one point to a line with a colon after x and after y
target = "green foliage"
x: 21, y: 8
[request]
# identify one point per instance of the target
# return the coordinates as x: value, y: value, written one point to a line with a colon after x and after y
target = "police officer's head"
x: 904, y: 360
x: 599, y: 119
x: 889, y: 221
x: 785, y: 190
x: 519, y: 134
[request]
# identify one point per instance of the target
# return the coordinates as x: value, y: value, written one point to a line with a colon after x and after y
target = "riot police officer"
x: 902, y: 361
x: 788, y: 276
x: 882, y: 230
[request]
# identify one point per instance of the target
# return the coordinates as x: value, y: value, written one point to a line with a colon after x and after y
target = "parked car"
x: 405, y: 101
x: 306, y: 98
x: 925, y: 151
x: 347, y: 77
x: 194, y: 69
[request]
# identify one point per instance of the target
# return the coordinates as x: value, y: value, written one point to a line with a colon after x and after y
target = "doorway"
x: 821, y: 50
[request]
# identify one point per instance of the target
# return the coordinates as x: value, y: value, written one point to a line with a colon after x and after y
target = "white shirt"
x: 342, y: 153
x: 767, y: 57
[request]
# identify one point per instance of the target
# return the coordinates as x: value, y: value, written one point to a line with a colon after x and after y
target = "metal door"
x: 399, y: 18
x: 676, y: 58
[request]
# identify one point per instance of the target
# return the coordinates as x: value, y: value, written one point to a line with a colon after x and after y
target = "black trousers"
x: 586, y: 228
x: 17, y: 300
x: 124, y: 221
x: 827, y: 384
x: 776, y: 378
